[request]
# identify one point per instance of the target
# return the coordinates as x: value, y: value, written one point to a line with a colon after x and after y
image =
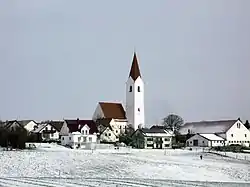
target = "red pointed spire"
x: 135, y: 70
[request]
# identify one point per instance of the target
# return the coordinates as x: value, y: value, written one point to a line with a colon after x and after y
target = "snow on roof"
x: 207, y: 127
x: 211, y: 137
x: 157, y: 134
x: 40, y: 127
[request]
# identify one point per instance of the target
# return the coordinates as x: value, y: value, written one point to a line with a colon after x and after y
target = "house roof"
x: 135, y: 70
x: 113, y: 110
x: 57, y: 125
x: 40, y: 127
x: 9, y: 123
x: 153, y: 132
x: 207, y: 127
x: 25, y: 122
x: 73, y: 125
x: 157, y: 127
x: 103, y: 121
x: 211, y: 137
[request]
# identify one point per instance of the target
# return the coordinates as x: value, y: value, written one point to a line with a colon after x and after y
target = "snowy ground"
x: 66, y: 167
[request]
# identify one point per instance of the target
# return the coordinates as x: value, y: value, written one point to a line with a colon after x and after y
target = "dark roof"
x: 113, y: 110
x: 24, y: 122
x: 8, y: 124
x: 135, y: 70
x: 157, y: 127
x: 57, y: 125
x: 207, y: 127
x: 73, y: 125
x: 103, y: 121
x: 154, y: 130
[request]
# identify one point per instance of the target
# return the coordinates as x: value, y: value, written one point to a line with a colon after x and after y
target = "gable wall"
x: 98, y: 113
x: 238, y: 134
x: 30, y: 126
x: 64, y: 130
x: 108, y: 136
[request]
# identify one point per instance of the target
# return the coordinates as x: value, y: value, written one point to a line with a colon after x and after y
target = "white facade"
x: 98, y: 113
x: 135, y: 102
x: 118, y: 126
x: 30, y: 126
x: 205, y: 141
x: 238, y: 134
x: 158, y: 141
x: 82, y: 139
x: 109, y: 136
x: 47, y: 132
x: 79, y: 140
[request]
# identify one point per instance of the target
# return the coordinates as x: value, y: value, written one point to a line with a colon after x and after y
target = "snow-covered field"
x: 65, y: 167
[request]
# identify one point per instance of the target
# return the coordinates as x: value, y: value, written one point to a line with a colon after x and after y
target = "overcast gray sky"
x: 59, y: 58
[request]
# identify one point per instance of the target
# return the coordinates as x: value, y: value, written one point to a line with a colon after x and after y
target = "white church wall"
x: 98, y: 113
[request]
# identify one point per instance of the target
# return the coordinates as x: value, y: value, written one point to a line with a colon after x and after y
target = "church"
x: 112, y: 118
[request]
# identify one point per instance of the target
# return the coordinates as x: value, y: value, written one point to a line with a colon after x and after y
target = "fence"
x: 238, y: 156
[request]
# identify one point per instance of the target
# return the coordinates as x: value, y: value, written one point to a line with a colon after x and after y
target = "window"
x: 202, y: 141
x: 52, y: 135
x: 69, y: 138
x: 120, y: 127
x: 138, y: 89
x: 149, y: 139
x: 130, y: 88
x: 90, y: 139
x: 138, y: 109
x: 106, y: 134
x: 245, y: 135
x: 238, y: 125
x: 232, y: 135
x: 46, y: 128
x: 150, y: 145
x: 109, y: 134
x: 166, y: 145
x: 86, y: 131
x: 62, y: 138
x: 166, y: 139
x: 116, y: 131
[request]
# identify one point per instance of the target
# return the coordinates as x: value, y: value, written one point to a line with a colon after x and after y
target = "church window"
x: 130, y: 89
x: 139, y: 89
x: 139, y: 110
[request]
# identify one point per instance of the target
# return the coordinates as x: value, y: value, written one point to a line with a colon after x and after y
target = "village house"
x: 48, y: 131
x: 155, y: 138
x: 231, y: 132
x: 26, y: 124
x: 79, y: 134
x: 205, y: 140
x: 111, y: 121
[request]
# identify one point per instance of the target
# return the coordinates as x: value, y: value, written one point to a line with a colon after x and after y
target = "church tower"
x: 135, y: 96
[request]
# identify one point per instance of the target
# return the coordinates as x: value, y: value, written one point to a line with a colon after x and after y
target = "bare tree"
x: 173, y: 122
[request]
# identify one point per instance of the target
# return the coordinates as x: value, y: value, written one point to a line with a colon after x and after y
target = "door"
x: 195, y: 142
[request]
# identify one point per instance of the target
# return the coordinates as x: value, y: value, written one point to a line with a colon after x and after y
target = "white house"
x: 233, y: 131
x: 110, y: 130
x: 153, y: 138
x: 205, y: 140
x: 79, y: 134
x: 48, y: 131
x: 28, y: 124
x: 135, y: 96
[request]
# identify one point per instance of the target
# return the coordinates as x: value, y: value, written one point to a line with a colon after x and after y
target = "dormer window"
x: 130, y: 88
x: 139, y: 89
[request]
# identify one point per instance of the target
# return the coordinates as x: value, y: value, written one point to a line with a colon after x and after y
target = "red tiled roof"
x: 113, y: 110
x: 135, y: 70
x: 73, y: 125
